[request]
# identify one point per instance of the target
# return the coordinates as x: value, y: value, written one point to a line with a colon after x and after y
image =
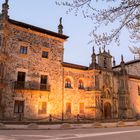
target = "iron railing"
x: 31, y: 86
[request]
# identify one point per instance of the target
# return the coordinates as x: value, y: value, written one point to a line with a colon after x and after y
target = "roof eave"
x: 38, y: 29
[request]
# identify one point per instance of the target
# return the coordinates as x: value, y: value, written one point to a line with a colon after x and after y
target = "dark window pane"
x: 68, y: 83
x: 21, y: 76
x: 44, y: 79
x: 45, y: 54
x: 43, y: 82
x: 23, y: 50
x: 81, y: 85
x: 19, y: 106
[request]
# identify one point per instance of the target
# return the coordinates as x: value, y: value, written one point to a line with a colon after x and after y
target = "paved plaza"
x: 120, y: 133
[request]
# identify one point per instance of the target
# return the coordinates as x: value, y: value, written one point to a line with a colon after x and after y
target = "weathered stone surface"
x: 32, y: 126
x: 100, y: 92
x: 120, y: 124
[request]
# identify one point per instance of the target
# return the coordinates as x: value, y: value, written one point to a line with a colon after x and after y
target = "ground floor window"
x: 19, y: 106
x: 42, y: 106
x: 138, y: 90
x: 68, y: 107
x: 81, y: 108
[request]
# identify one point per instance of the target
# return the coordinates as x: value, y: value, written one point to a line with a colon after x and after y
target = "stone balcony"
x: 91, y: 88
x: 18, y: 85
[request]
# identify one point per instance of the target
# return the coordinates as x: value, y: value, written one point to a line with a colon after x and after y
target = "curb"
x: 66, y: 126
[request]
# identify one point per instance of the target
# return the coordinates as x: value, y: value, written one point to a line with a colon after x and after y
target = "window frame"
x: 68, y: 83
x: 81, y: 110
x: 80, y: 84
x: 19, y: 106
x: 43, y: 82
x: 68, y: 108
x: 138, y: 90
x: 42, y: 108
x: 45, y: 54
x: 19, y: 74
x: 23, y: 50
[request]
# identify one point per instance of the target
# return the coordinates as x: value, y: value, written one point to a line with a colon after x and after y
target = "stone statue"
x: 60, y: 21
x: 60, y: 26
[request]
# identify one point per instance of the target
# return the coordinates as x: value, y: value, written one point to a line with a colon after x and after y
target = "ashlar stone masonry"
x: 36, y: 84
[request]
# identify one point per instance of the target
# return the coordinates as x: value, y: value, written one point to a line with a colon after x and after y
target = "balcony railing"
x: 91, y: 88
x: 19, y: 85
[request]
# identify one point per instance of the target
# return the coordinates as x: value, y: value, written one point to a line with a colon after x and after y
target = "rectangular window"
x: 42, y: 106
x: 139, y: 90
x: 68, y: 107
x: 23, y: 50
x: 21, y: 76
x: 81, y: 108
x: 45, y: 54
x: 20, y: 83
x: 19, y: 106
x: 43, y: 82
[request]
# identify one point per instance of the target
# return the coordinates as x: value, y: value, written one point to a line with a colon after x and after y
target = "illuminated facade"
x: 35, y: 83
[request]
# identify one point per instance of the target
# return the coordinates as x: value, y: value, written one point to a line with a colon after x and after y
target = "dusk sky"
x: 46, y: 14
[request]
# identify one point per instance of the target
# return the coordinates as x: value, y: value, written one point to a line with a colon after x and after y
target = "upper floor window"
x: 45, y: 54
x: 43, y: 82
x: 68, y: 83
x: 81, y: 84
x: 23, y: 50
x: 21, y: 76
x: 44, y: 79
x: 138, y: 90
x: 20, y: 83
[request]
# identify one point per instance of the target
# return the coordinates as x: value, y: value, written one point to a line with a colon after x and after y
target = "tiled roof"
x: 128, y: 63
x: 75, y: 66
x: 38, y: 29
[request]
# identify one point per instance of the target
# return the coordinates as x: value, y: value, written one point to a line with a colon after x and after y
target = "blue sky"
x: 46, y: 14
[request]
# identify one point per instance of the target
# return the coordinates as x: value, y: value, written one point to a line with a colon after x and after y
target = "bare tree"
x: 117, y: 15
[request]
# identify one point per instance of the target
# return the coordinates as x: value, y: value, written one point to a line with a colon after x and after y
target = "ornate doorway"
x: 107, y: 110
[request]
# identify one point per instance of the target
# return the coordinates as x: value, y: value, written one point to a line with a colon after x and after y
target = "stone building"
x: 35, y: 83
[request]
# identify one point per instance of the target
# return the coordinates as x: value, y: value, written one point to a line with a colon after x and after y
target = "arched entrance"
x: 107, y: 110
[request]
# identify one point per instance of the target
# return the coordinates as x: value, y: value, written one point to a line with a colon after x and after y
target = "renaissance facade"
x: 35, y: 83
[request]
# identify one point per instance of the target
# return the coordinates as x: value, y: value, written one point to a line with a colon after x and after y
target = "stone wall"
x: 135, y: 96
x: 132, y: 69
x: 75, y: 96
x: 34, y: 66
